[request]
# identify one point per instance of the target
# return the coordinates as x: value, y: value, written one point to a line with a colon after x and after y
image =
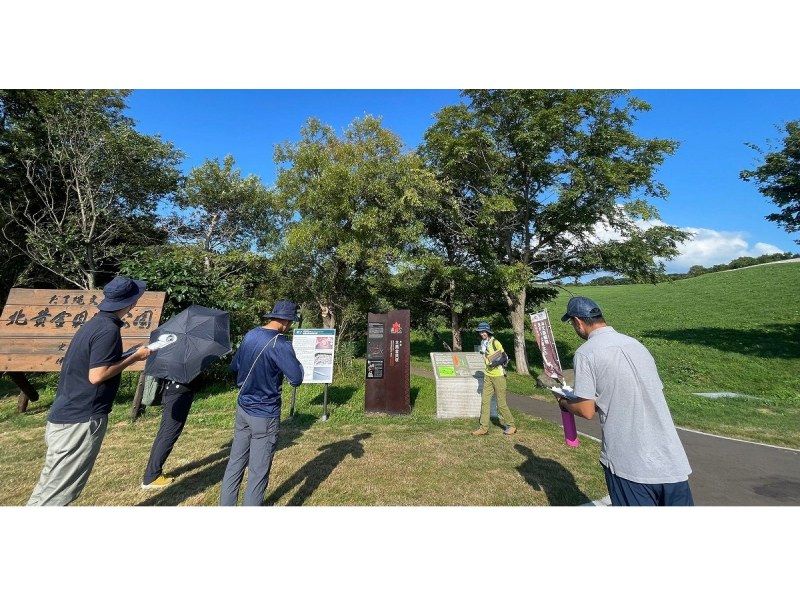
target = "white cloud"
x: 707, y: 247
x: 766, y: 248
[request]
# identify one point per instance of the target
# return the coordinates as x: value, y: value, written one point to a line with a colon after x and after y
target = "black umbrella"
x: 203, y: 337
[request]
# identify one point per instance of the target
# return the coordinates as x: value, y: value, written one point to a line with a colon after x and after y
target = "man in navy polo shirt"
x: 615, y: 376
x: 263, y: 359
x: 87, y: 386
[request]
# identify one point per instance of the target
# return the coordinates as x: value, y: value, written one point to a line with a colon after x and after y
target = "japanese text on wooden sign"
x: 37, y: 325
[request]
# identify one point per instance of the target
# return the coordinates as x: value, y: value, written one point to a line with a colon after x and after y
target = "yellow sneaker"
x: 159, y: 482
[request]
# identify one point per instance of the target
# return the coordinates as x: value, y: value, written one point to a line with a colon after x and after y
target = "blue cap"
x: 581, y: 307
x: 120, y: 293
x: 283, y: 310
x: 484, y: 327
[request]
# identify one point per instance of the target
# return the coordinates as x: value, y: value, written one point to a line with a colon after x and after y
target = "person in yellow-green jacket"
x: 494, y: 383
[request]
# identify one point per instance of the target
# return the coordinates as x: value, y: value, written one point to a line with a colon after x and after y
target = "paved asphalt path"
x: 725, y: 472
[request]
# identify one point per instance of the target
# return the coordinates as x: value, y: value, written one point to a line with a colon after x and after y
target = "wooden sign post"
x: 388, y: 377
x: 37, y: 325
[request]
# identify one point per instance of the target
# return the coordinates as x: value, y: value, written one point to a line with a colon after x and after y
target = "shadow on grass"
x: 10, y: 392
x: 209, y: 470
x: 39, y: 406
x: 772, y: 340
x: 337, y: 395
x: 312, y: 474
x: 412, y: 395
x: 551, y: 477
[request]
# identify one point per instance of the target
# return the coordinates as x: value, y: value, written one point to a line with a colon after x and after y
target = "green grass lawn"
x: 352, y: 459
x: 735, y: 331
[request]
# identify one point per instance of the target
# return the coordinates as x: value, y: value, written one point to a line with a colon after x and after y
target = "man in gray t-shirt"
x: 616, y: 377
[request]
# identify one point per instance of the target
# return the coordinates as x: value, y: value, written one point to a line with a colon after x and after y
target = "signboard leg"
x: 136, y: 408
x: 294, y: 399
x: 26, y: 390
x: 325, y: 404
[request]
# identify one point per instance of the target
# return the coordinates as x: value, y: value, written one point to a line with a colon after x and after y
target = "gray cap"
x: 581, y: 307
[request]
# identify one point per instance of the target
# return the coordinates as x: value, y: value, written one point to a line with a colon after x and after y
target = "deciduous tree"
x: 554, y: 180
x: 90, y: 181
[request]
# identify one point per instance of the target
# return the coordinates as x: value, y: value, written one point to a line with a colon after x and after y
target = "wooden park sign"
x: 37, y: 325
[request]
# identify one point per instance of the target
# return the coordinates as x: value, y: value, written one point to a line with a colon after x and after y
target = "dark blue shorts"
x: 625, y: 493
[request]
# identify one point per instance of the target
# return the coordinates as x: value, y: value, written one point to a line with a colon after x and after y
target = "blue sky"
x: 706, y: 194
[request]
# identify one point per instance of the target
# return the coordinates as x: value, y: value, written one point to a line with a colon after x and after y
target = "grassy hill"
x: 735, y: 331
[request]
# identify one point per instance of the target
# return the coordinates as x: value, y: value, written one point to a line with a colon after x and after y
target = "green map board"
x: 446, y: 371
x: 457, y: 365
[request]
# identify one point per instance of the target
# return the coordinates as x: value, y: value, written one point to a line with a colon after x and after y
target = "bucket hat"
x: 121, y: 292
x: 283, y: 310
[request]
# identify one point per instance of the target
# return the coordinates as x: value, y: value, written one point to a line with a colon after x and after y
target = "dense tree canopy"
x: 80, y: 184
x: 222, y: 210
x: 549, y: 184
x: 350, y: 204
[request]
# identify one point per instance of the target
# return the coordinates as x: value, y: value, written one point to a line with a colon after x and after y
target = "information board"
x: 37, y: 325
x: 459, y: 384
x: 314, y: 348
x: 457, y: 365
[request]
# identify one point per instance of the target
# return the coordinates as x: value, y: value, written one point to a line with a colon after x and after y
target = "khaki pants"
x: 495, y: 385
x: 71, y: 452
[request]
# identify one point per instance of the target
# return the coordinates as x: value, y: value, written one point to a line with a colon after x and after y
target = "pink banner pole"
x: 570, y: 429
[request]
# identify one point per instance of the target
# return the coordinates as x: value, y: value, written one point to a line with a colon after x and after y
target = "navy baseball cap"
x: 581, y: 307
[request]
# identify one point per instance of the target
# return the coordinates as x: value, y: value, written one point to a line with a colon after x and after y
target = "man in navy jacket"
x: 263, y: 359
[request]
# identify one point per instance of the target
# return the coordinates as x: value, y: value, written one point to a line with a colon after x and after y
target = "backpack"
x: 498, y: 358
x: 153, y: 390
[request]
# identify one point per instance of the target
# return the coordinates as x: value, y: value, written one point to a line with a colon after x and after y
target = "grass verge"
x: 352, y: 459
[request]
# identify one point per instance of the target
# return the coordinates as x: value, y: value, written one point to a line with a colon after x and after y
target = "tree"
x: 554, y: 180
x: 350, y: 212
x: 239, y: 282
x: 778, y: 177
x: 222, y: 209
x: 90, y: 182
x: 445, y: 276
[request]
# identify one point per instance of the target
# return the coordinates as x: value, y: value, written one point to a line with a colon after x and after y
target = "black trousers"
x: 177, y: 401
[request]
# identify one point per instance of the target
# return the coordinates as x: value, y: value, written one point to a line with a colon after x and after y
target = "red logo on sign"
x: 396, y: 328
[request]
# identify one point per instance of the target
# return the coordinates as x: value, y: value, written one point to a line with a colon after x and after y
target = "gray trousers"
x: 71, y: 452
x: 254, y: 440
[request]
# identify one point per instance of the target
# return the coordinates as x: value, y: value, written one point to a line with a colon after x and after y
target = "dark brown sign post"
x: 388, y: 376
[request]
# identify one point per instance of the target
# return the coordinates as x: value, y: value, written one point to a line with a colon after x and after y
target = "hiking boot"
x: 480, y: 432
x: 159, y: 482
x: 509, y: 430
